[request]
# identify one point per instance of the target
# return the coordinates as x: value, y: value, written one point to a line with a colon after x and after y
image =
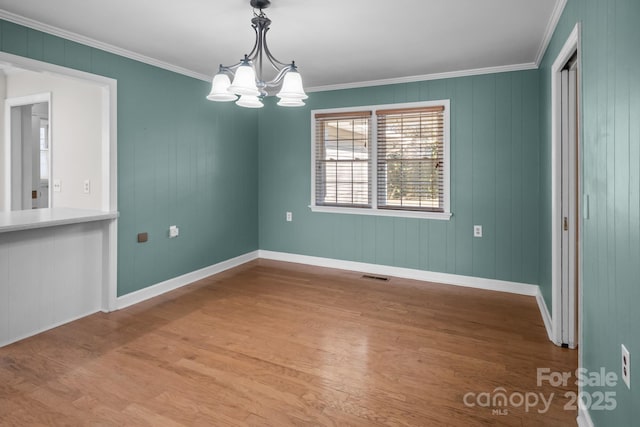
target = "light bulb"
x: 290, y: 102
x: 219, y: 88
x: 292, y: 86
x: 249, y: 101
x: 244, y: 82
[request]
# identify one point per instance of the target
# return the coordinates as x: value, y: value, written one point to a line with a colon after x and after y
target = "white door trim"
x: 9, y: 103
x: 571, y: 45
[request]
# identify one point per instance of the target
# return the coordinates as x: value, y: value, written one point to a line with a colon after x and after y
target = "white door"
x: 569, y: 195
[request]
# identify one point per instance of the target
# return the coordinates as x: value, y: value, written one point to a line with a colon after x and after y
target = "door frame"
x: 571, y: 46
x: 21, y: 101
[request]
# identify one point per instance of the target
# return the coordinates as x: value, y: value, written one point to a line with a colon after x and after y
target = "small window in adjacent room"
x: 44, y: 151
x: 390, y: 160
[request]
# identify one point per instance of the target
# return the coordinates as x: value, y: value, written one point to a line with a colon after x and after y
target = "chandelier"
x: 249, y: 86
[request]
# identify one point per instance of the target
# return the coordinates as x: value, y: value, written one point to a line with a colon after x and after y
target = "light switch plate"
x: 585, y: 207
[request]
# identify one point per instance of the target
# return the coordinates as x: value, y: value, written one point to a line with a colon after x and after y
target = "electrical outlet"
x: 626, y: 366
x: 57, y: 186
x: 174, y: 231
x: 477, y: 231
x: 87, y: 186
x: 289, y: 217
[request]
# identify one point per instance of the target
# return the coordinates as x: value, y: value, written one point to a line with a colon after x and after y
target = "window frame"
x: 373, y: 159
x: 322, y: 120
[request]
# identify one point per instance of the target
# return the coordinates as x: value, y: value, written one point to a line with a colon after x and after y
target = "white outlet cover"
x: 174, y: 231
x: 477, y: 231
x: 626, y: 366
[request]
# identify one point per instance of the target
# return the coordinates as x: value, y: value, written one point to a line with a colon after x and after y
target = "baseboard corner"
x: 184, y: 280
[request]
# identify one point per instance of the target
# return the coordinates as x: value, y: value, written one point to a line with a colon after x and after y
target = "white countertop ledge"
x: 40, y: 218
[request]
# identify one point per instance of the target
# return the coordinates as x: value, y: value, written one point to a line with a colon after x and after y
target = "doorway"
x: 566, y: 188
x: 28, y: 132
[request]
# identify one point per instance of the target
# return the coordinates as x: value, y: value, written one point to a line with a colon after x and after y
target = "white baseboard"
x: 406, y: 273
x: 546, y: 317
x: 584, y: 419
x: 180, y: 281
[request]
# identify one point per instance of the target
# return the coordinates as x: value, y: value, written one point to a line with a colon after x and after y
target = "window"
x: 385, y: 160
x: 343, y: 167
x: 44, y: 151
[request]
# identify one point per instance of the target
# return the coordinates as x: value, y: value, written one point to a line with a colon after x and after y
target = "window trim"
x: 373, y: 210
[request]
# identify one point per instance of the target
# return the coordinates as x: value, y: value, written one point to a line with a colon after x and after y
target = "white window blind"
x: 385, y: 160
x: 342, y: 159
x: 410, y: 157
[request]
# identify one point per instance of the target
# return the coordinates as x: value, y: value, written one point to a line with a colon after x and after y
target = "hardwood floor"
x: 279, y: 344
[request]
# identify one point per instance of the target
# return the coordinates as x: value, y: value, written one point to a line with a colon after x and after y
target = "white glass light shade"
x: 219, y: 88
x: 292, y: 86
x: 249, y: 101
x: 289, y: 102
x: 244, y: 82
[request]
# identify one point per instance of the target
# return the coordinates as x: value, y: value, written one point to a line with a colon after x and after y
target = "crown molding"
x: 551, y: 28
x: 49, y: 29
x: 424, y: 77
x: 55, y: 31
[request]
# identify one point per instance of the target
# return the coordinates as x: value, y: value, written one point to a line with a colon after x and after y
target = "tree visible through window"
x: 411, y: 159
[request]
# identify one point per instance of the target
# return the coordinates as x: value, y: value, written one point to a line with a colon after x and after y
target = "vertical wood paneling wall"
x: 49, y: 276
x: 611, y: 175
x: 182, y: 160
x: 191, y: 163
x: 494, y: 182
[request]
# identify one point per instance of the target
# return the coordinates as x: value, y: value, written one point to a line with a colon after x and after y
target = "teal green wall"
x: 494, y: 182
x: 611, y: 174
x: 181, y: 160
x: 202, y: 166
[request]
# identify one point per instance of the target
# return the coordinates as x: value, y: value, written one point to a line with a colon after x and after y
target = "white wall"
x: 77, y: 132
x: 66, y: 284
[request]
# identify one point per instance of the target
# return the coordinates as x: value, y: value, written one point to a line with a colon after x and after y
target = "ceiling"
x: 335, y: 43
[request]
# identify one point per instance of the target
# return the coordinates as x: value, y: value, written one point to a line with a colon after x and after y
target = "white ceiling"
x: 335, y: 43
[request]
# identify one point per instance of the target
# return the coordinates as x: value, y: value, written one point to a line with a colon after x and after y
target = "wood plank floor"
x: 272, y: 343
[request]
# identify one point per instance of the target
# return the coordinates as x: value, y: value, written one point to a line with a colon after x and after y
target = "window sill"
x: 445, y: 216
